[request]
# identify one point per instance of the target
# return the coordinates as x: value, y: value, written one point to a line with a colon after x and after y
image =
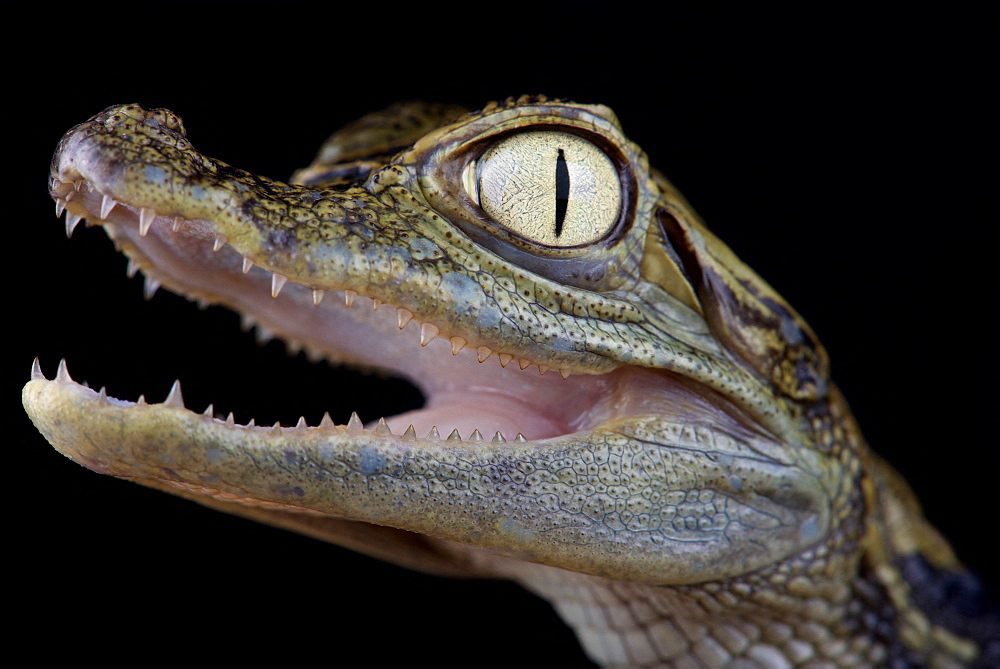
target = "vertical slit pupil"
x: 562, y: 190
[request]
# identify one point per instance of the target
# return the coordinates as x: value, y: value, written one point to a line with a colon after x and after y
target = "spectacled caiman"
x: 621, y: 416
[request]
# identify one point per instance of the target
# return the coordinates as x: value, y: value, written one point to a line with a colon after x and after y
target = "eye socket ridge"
x: 548, y: 187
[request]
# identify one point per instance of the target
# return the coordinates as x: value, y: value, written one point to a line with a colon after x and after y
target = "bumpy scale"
x: 677, y: 474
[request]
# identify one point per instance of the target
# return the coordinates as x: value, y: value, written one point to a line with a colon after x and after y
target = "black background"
x: 841, y: 153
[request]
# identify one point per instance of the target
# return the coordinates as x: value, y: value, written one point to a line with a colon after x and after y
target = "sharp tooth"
x: 175, y: 226
x: 247, y: 265
x: 542, y: 369
x: 376, y: 303
x: 276, y: 428
x: 457, y: 344
x: 246, y: 322
x: 498, y: 437
x: 317, y: 297
x: 149, y: 287
x: 505, y: 358
x: 102, y: 395
x: 524, y: 363
x: 220, y: 241
x: 349, y: 296
x: 71, y: 222
x: 434, y: 434
x: 403, y: 317
x: 520, y: 437
x: 354, y: 423
x: 174, y: 398
x: 476, y: 436
x: 411, y: 433
x: 427, y: 333
x: 301, y: 426
x: 203, y: 303
x: 107, y: 204
x: 141, y: 402
x: 326, y: 421
x: 277, y: 281
x: 251, y: 423
x: 209, y: 411
x: 454, y: 436
x: 70, y: 195
x: 382, y: 427
x: 263, y: 334
x: 484, y: 352
x: 146, y: 217
x: 131, y: 268
x: 564, y: 373
x: 230, y: 420
x: 36, y: 370
x: 78, y: 185
x: 60, y: 206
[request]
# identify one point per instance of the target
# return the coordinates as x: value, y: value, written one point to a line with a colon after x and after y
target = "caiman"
x: 620, y: 415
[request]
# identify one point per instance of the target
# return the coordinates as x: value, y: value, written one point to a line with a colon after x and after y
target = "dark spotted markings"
x: 562, y: 190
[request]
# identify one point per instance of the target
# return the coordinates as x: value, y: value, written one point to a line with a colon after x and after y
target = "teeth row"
x: 63, y: 192
x: 175, y: 400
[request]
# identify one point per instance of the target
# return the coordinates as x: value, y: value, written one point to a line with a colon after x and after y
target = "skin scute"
x: 638, y: 428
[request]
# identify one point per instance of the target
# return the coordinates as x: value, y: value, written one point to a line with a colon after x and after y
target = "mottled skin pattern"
x: 685, y: 486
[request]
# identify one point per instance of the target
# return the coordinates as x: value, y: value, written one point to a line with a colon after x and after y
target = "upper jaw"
x: 304, y: 264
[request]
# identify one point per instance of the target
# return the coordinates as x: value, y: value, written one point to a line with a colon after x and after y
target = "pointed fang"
x: 354, y: 423
x: 382, y: 427
x: 107, y: 204
x: 150, y: 287
x: 349, y: 296
x: 60, y: 206
x: 454, y: 436
x: 36, y: 370
x: 174, y: 398
x: 317, y: 297
x: 434, y: 434
x: 247, y: 265
x: 411, y: 433
x: 484, y: 352
x: 476, y: 436
x: 457, y: 344
x: 72, y: 220
x: 277, y: 282
x: 403, y: 316
x: 498, y: 437
x: 427, y: 333
x: 146, y: 217
x: 220, y: 241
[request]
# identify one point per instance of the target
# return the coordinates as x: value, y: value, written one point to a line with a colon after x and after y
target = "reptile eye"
x: 549, y: 187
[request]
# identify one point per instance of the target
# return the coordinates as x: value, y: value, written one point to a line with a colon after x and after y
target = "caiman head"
x: 608, y: 388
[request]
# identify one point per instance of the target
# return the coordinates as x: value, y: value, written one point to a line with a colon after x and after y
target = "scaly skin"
x: 685, y: 486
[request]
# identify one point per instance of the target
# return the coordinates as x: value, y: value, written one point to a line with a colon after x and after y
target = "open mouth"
x: 472, y: 392
x: 599, y: 427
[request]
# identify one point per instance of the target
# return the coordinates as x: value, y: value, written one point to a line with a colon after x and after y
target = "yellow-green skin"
x: 735, y: 518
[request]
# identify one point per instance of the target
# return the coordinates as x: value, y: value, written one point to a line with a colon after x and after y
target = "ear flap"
x: 747, y: 315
